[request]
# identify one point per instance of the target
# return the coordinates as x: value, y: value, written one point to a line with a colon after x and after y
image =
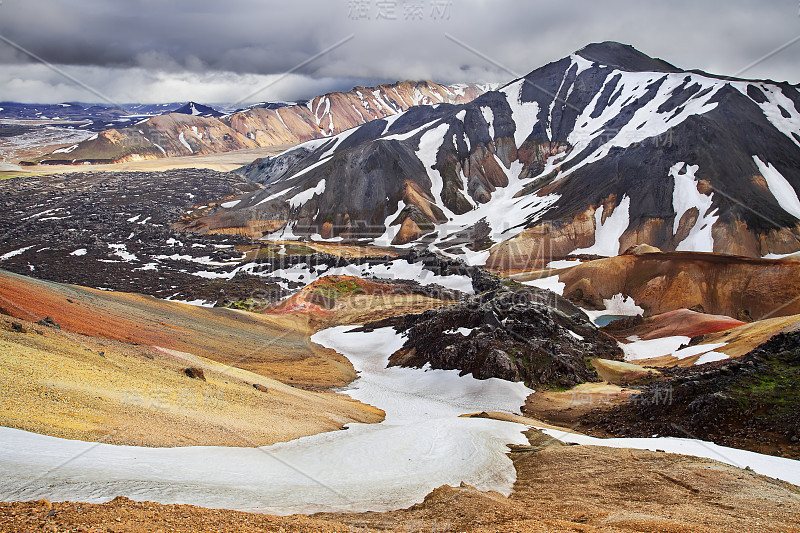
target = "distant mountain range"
x: 589, y: 155
x: 99, y: 117
x: 197, y: 129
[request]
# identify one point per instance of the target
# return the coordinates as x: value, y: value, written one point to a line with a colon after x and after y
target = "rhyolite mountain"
x: 588, y: 155
x: 195, y: 129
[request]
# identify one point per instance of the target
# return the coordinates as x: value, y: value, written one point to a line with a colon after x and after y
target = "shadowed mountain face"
x: 196, y: 129
x: 590, y: 154
x: 192, y: 108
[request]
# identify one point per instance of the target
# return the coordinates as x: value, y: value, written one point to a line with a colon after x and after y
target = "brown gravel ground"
x: 559, y: 488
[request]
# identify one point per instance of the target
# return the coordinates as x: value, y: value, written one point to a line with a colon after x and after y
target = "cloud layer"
x: 150, y: 51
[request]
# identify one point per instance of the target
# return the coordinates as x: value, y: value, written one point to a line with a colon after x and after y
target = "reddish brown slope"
x: 273, y: 346
x: 336, y: 300
x: 747, y: 289
x: 683, y: 322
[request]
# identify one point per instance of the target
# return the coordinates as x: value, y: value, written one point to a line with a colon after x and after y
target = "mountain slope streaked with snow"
x: 608, y: 135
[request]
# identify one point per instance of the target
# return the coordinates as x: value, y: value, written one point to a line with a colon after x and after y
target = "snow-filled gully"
x: 422, y: 444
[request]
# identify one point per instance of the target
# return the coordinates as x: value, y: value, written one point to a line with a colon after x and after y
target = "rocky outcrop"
x: 752, y: 402
x: 517, y: 334
x: 195, y: 373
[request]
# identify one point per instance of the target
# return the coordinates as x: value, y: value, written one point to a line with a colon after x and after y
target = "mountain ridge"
x: 548, y: 160
x: 192, y: 129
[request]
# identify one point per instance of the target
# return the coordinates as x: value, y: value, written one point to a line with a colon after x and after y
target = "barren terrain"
x: 222, y: 162
x: 558, y: 488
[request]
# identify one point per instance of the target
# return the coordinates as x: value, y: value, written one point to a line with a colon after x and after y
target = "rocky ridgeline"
x: 196, y: 129
x: 506, y: 331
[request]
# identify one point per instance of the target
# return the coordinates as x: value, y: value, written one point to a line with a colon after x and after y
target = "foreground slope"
x: 273, y: 346
x: 96, y: 389
x: 591, y: 154
x: 114, y: 370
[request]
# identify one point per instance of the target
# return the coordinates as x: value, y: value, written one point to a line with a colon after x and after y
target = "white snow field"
x: 421, y: 445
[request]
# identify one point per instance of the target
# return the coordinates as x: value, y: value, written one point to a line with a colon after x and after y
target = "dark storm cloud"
x: 402, y: 39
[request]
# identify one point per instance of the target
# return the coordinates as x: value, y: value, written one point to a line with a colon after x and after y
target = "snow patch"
x: 120, y: 250
x: 15, y: 253
x: 182, y: 139
x: 564, y: 263
x: 608, y: 234
x: 780, y: 188
x: 685, y: 196
x: 488, y: 116
x: 303, y: 197
x: 549, y: 283
x: 710, y: 357
x: 524, y: 114
x: 640, y: 349
x: 463, y: 331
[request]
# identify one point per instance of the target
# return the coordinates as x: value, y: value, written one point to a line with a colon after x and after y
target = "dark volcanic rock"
x: 195, y: 373
x: 113, y: 230
x: 751, y: 402
x: 49, y: 322
x: 523, y: 334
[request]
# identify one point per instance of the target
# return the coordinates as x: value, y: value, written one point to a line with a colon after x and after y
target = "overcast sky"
x: 226, y: 50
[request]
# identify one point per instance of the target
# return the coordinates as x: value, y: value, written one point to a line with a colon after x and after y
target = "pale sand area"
x: 222, y: 162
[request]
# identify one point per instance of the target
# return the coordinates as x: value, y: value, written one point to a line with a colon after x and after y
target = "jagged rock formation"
x: 195, y: 129
x: 518, y: 334
x: 592, y: 154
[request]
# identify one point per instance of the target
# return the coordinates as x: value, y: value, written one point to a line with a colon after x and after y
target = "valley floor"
x: 222, y: 162
x: 557, y: 487
x: 98, y: 374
